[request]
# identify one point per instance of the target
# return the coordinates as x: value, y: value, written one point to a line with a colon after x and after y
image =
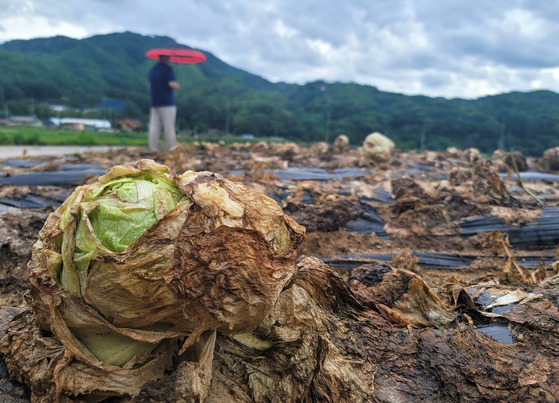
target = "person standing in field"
x: 163, y: 111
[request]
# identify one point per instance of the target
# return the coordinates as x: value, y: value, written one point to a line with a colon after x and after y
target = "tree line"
x: 217, y: 97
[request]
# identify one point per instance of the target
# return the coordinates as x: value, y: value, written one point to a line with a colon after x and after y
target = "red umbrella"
x: 182, y: 56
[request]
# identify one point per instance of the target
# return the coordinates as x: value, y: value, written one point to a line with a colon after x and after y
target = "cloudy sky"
x: 446, y: 48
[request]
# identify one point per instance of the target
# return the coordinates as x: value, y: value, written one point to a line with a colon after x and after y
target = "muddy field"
x: 483, y: 241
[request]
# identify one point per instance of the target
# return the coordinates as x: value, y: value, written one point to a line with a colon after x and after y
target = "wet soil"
x: 463, y: 225
x: 350, y: 206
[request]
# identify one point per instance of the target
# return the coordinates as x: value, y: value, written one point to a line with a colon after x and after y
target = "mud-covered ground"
x: 428, y: 207
x: 465, y: 223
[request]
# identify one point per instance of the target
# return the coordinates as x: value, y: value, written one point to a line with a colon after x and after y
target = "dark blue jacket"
x: 161, y: 93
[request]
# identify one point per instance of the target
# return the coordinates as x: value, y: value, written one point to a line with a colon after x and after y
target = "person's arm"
x: 172, y: 80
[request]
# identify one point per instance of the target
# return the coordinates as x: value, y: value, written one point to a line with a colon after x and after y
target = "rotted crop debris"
x: 131, y: 271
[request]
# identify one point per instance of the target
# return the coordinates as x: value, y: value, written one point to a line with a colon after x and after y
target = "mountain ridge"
x: 215, y: 95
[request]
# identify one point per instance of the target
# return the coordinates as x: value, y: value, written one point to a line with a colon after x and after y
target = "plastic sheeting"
x: 426, y: 260
x: 532, y: 176
x: 368, y: 222
x: 28, y: 202
x: 544, y: 232
x: 68, y: 176
x: 379, y: 195
x: 317, y: 174
x: 17, y: 163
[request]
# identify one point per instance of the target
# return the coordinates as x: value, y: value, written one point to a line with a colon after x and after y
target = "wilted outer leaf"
x: 402, y: 296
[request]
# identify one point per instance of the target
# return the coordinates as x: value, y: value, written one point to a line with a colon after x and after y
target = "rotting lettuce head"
x: 146, y: 258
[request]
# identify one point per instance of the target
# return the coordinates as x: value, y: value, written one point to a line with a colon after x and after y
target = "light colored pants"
x: 162, y: 116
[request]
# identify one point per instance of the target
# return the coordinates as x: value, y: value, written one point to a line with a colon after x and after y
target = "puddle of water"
x: 497, y: 331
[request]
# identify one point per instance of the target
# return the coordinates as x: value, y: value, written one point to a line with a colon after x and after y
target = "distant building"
x: 130, y: 125
x: 24, y: 121
x: 81, y: 123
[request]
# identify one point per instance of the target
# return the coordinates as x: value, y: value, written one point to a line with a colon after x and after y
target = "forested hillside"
x: 217, y: 96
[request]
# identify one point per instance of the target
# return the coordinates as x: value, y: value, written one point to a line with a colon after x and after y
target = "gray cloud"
x: 451, y: 48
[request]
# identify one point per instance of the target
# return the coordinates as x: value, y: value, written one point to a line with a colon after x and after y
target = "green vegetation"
x: 217, y: 97
x: 20, y: 135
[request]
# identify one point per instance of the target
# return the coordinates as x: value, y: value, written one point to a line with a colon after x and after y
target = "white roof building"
x: 99, y: 124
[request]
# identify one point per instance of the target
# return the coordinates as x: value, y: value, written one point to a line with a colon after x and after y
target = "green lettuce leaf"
x: 111, y: 217
x: 127, y: 207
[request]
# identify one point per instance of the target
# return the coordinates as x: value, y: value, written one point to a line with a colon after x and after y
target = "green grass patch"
x: 22, y: 135
x: 44, y: 136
